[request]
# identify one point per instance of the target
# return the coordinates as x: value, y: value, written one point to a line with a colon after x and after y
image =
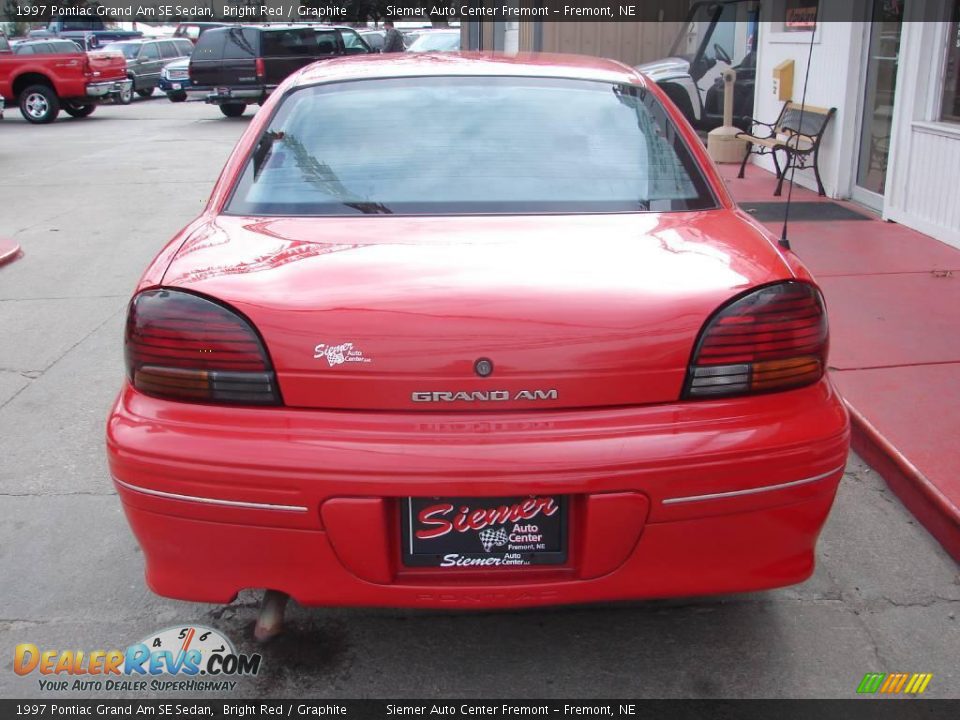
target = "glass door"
x: 883, y: 55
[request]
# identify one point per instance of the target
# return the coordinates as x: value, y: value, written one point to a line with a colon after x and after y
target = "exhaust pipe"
x: 270, y: 620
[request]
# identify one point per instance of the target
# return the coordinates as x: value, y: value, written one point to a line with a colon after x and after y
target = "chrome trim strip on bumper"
x: 108, y: 87
x: 210, y: 501
x: 751, y: 491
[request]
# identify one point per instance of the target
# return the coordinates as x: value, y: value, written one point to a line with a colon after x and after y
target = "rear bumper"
x: 108, y: 89
x: 168, y: 86
x: 217, y: 96
x: 677, y: 500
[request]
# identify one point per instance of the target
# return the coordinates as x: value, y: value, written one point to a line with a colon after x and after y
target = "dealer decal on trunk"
x: 339, y: 354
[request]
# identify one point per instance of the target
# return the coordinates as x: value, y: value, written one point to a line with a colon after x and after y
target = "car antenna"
x: 784, y: 242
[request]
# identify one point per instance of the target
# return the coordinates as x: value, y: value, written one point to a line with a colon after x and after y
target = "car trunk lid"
x: 394, y: 313
x: 106, y: 65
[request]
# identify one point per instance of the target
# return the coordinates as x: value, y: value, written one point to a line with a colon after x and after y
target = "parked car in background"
x: 146, y: 59
x: 691, y: 75
x: 175, y: 79
x: 410, y: 35
x: 436, y: 41
x: 193, y: 30
x: 89, y: 34
x: 353, y: 42
x: 241, y: 65
x: 43, y: 85
x: 46, y: 47
x: 359, y: 382
x: 373, y: 38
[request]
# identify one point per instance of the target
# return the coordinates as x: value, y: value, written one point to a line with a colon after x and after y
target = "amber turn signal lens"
x: 793, y: 372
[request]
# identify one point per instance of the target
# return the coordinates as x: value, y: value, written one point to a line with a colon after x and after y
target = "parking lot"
x: 90, y: 202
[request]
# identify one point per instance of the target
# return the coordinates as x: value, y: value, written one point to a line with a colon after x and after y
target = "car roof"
x: 44, y: 41
x: 141, y: 41
x: 277, y: 27
x: 368, y: 67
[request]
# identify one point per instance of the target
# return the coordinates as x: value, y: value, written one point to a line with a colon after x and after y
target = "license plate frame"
x: 512, y: 521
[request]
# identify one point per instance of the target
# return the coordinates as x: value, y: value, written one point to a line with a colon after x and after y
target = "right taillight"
x: 185, y: 347
x: 772, y: 338
x: 261, y: 68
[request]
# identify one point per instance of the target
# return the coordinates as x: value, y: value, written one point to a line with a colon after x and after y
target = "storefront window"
x: 950, y: 109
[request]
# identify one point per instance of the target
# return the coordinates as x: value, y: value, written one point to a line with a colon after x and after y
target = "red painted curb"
x: 9, y: 251
x: 921, y: 497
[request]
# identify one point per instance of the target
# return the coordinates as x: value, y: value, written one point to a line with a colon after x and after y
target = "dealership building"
x: 893, y: 144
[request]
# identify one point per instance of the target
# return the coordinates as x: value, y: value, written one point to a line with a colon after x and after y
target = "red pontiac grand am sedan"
x: 474, y: 331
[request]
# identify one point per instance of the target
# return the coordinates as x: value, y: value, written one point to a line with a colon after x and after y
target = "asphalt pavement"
x: 90, y: 202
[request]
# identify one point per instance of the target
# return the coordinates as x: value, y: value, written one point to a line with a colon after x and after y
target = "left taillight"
x: 772, y: 338
x: 182, y: 346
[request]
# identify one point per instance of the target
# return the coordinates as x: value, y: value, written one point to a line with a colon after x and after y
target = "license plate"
x: 223, y: 91
x: 175, y: 86
x: 484, y: 532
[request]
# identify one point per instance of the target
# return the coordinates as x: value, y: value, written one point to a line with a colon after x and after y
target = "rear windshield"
x: 129, y: 50
x: 289, y: 43
x: 436, y: 41
x: 463, y: 145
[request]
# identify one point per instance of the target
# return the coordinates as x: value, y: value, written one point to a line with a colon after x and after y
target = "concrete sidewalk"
x: 894, y: 300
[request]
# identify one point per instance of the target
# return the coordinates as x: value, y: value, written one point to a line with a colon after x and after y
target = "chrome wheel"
x: 37, y: 106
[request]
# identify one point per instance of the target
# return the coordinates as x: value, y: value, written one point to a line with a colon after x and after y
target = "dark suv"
x: 146, y: 58
x: 241, y: 65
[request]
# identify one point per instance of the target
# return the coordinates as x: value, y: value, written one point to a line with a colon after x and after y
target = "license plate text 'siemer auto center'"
x: 484, y: 532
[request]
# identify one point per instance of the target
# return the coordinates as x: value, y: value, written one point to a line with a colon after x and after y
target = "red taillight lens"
x: 185, y: 347
x: 772, y: 338
x: 261, y: 68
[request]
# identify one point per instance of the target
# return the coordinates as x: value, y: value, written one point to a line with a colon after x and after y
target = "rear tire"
x: 79, y: 111
x: 126, y: 96
x: 233, y: 110
x: 39, y: 104
x: 145, y: 92
x: 177, y: 96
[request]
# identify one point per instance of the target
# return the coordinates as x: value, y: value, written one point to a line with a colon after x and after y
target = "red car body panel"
x: 667, y: 497
x: 618, y: 298
x: 68, y: 73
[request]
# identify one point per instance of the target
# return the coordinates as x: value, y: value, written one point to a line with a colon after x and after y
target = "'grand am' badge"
x: 339, y: 354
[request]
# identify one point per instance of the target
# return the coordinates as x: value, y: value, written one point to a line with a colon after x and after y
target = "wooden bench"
x: 800, y: 142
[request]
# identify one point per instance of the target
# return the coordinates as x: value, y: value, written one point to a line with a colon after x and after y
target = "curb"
x: 9, y: 251
x: 921, y: 497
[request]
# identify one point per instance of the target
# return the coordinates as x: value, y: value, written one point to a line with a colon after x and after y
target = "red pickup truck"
x: 43, y: 85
